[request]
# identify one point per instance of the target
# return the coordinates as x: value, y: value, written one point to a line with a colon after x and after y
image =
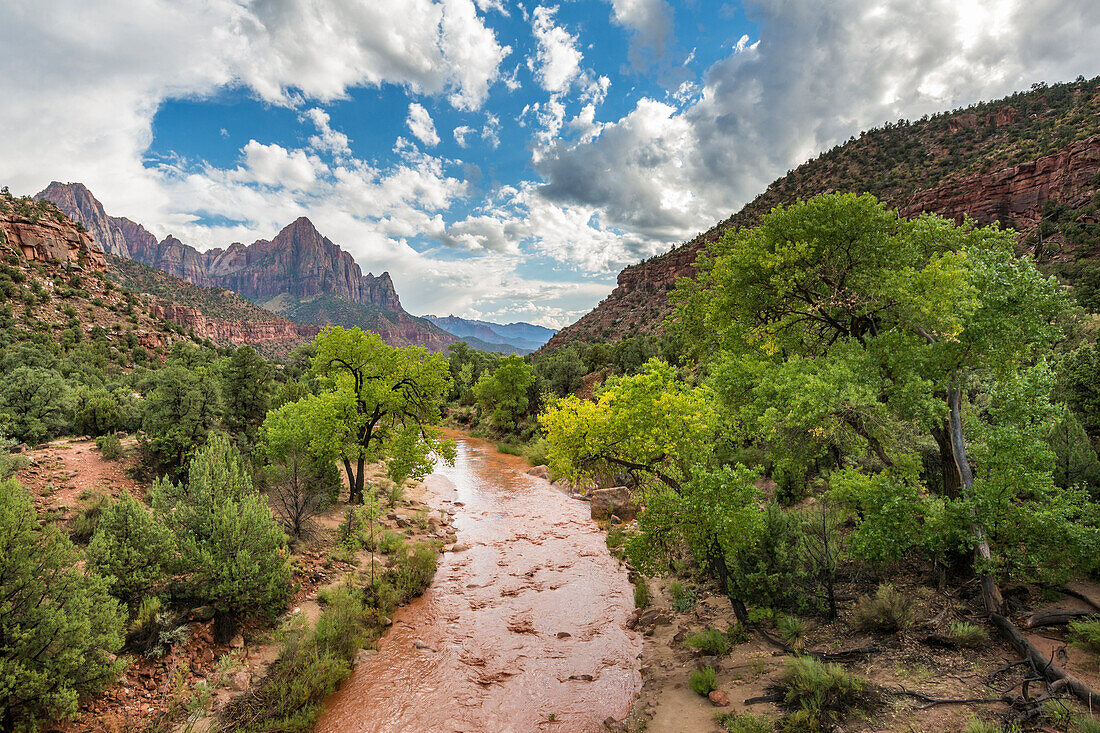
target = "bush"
x: 703, y: 681
x: 888, y: 611
x: 58, y: 625
x: 683, y: 599
x: 744, y: 723
x: 641, y: 593
x: 967, y: 634
x: 311, y: 665
x: 109, y: 445
x: 792, y: 631
x: 154, y: 629
x: 87, y: 518
x: 1086, y: 633
x: 709, y: 641
x: 130, y: 548
x: 231, y: 548
x: 411, y: 571
x: 819, y: 695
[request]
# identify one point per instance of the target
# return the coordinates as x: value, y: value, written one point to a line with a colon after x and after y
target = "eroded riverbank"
x: 522, y: 630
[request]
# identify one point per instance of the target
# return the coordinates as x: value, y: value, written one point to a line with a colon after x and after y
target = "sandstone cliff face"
x: 299, y: 260
x: 1015, y: 196
x: 74, y: 197
x: 49, y: 240
x: 233, y: 332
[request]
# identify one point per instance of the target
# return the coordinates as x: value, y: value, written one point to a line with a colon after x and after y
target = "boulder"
x: 540, y: 472
x: 614, y: 501
x: 719, y: 699
x: 202, y: 613
x: 240, y: 680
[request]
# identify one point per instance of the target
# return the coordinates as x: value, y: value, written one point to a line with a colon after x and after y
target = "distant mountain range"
x: 519, y: 338
x: 299, y: 274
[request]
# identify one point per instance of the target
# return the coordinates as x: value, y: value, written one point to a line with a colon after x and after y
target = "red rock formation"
x: 1015, y: 196
x: 49, y: 240
x: 233, y: 332
x: 299, y: 260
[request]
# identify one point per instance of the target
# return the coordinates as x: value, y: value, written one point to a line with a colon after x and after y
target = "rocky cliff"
x: 232, y: 332
x: 299, y: 261
x: 997, y: 161
x: 43, y: 234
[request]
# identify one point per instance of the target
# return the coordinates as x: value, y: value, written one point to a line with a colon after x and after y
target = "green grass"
x: 703, y: 681
x: 744, y: 723
x: 709, y: 641
x: 968, y: 635
x: 817, y: 696
x: 1086, y: 634
x: 888, y: 611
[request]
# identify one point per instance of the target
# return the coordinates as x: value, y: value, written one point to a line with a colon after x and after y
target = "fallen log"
x: 1082, y: 597
x: 1046, y: 667
x: 1057, y: 617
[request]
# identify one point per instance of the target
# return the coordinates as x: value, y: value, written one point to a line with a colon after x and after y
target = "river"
x: 523, y: 631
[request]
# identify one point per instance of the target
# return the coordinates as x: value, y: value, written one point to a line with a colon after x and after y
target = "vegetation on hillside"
x: 900, y: 373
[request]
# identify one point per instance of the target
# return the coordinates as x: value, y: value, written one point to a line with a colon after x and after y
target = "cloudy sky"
x: 500, y: 159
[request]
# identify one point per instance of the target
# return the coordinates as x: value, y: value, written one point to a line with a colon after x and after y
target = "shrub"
x: 130, y: 548
x: 231, y: 548
x: 311, y: 665
x: 641, y: 593
x: 967, y: 634
x: 792, y: 631
x: 976, y: 725
x: 744, y: 723
x: 109, y: 445
x: 411, y: 571
x: 818, y: 695
x: 683, y: 599
x: 704, y: 680
x: 887, y: 611
x: 1086, y: 633
x: 87, y: 518
x: 154, y: 629
x: 709, y: 641
x: 58, y: 625
x: 738, y: 634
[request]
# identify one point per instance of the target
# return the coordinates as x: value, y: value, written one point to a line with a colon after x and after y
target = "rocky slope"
x: 299, y: 274
x: 66, y: 272
x: 1003, y: 161
x: 298, y: 261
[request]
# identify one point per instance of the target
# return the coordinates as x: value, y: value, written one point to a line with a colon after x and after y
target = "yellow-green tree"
x: 375, y: 398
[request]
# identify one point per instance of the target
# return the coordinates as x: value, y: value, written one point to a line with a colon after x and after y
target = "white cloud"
x: 462, y: 134
x: 421, y: 125
x: 327, y: 139
x: 651, y: 24
x: 818, y: 73
x: 274, y: 165
x: 557, y: 62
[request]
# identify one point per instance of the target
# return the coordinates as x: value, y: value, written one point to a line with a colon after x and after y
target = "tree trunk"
x: 949, y: 472
x: 351, y: 481
x: 359, y: 478
x: 991, y: 594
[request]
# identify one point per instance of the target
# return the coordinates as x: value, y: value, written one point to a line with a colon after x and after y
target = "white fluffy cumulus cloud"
x: 817, y: 73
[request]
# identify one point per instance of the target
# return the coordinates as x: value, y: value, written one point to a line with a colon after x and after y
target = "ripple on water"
x: 527, y: 623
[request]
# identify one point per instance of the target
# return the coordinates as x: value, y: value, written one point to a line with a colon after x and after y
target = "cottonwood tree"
x: 374, y: 395
x: 863, y: 332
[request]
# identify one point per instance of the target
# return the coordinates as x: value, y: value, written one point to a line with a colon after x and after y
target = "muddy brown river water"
x: 524, y: 631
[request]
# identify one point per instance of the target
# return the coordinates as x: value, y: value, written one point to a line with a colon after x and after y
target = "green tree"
x: 230, y: 547
x: 1075, y: 459
x: 503, y: 394
x: 303, y: 476
x: 130, y: 548
x: 374, y: 394
x: 59, y: 627
x: 183, y: 405
x: 34, y: 404
x: 247, y: 387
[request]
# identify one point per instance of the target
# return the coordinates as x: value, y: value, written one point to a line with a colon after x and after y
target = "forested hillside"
x: 981, y: 161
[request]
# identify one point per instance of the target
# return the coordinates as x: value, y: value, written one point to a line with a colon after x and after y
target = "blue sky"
x: 500, y: 159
